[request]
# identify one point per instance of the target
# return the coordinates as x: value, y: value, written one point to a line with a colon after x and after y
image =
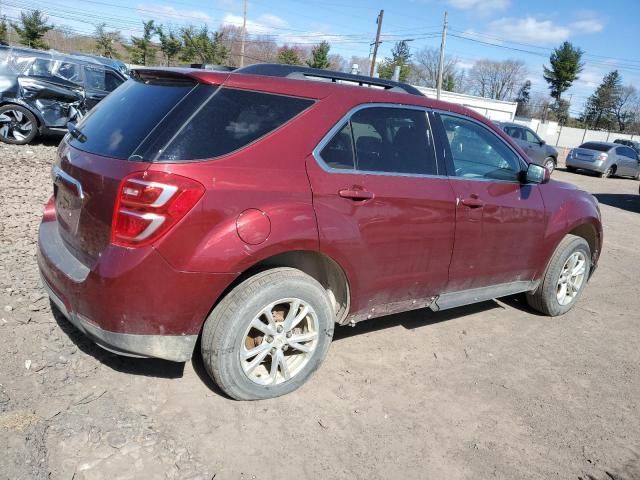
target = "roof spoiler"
x: 306, y: 73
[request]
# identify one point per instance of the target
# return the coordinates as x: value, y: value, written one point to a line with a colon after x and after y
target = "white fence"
x: 568, y: 137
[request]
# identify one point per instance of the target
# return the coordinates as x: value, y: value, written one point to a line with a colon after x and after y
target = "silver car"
x: 605, y: 158
x: 536, y: 149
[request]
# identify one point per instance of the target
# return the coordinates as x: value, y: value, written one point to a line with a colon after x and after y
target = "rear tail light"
x: 149, y: 204
x: 603, y: 156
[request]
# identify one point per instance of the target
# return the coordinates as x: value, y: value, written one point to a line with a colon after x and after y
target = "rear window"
x: 596, y: 146
x: 118, y: 124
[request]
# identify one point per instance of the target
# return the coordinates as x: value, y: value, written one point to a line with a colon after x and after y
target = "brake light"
x: 149, y: 204
x: 603, y: 156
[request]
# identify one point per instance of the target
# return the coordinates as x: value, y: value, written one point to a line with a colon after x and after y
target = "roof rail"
x: 307, y: 73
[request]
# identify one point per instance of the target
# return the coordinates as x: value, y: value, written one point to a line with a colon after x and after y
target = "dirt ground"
x: 488, y: 391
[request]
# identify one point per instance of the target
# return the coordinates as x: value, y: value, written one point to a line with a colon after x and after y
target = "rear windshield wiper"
x: 76, y: 133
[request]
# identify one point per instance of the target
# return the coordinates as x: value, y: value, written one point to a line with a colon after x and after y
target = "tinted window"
x: 394, y: 140
x: 229, y: 120
x: 596, y: 146
x: 479, y: 153
x: 112, y: 81
x: 338, y: 153
x: 117, y: 125
x: 626, y: 152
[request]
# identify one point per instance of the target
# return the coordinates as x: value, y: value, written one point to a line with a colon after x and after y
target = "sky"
x: 478, y: 29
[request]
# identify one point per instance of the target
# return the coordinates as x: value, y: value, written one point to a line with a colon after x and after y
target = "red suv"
x: 255, y: 210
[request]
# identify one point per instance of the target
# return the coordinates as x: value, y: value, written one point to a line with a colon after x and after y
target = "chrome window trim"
x: 353, y: 171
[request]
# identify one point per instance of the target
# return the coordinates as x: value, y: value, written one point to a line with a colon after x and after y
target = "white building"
x: 498, y: 110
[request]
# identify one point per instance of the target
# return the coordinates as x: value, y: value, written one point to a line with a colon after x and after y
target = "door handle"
x: 355, y: 194
x: 472, y: 202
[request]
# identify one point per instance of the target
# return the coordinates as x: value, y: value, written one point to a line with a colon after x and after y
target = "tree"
x: 204, y: 46
x: 338, y: 63
x: 627, y: 106
x: 32, y: 29
x: 320, y: 56
x: 600, y: 107
x: 288, y: 56
x: 142, y: 50
x: 106, y: 41
x: 4, y: 30
x: 424, y: 70
x: 170, y: 44
x: 523, y: 99
x: 497, y: 80
x: 400, y: 57
x: 564, y: 70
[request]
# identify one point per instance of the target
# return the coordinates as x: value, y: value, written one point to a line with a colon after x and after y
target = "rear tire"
x: 568, y: 273
x: 609, y: 172
x: 240, y: 350
x: 18, y: 126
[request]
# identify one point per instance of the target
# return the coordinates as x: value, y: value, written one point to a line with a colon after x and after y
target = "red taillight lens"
x: 149, y: 204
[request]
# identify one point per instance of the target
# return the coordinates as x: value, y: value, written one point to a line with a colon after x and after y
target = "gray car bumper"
x: 597, y: 166
x: 177, y: 348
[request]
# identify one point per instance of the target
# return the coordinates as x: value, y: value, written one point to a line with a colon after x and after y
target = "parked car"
x: 114, y: 63
x: 628, y: 143
x: 535, y: 148
x: 607, y: 159
x: 40, y: 92
x: 256, y: 209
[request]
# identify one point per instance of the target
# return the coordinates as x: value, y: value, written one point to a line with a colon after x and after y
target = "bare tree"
x: 258, y: 48
x: 424, y: 70
x: 627, y: 106
x: 497, y: 80
x: 338, y: 62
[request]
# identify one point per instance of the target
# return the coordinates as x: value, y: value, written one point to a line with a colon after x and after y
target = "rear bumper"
x: 597, y: 166
x: 131, y: 301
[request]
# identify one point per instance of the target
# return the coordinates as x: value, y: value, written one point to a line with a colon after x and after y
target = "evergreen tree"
x: 449, y: 82
x: 204, y: 46
x: 400, y: 56
x: 106, y: 41
x: 142, y: 50
x: 4, y: 31
x: 523, y: 98
x: 288, y: 56
x: 320, y: 56
x: 170, y: 44
x: 32, y: 29
x: 600, y: 107
x: 564, y: 70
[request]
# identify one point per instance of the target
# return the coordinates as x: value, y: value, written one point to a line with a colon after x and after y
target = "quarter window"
x: 479, y: 153
x: 384, y: 140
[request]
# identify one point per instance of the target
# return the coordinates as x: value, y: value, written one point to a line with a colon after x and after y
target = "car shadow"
x: 147, y: 367
x: 624, y: 201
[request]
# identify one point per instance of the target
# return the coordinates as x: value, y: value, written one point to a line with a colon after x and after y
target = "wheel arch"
x: 26, y: 106
x: 315, y: 264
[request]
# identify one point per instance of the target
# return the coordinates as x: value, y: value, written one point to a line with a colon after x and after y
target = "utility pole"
x: 376, y: 43
x: 244, y: 34
x: 441, y: 63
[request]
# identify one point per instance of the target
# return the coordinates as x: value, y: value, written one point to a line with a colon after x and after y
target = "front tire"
x: 550, y: 164
x: 565, y: 278
x: 18, y: 126
x: 268, y: 335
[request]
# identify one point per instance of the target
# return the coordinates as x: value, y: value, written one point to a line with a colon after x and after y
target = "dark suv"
x: 255, y: 210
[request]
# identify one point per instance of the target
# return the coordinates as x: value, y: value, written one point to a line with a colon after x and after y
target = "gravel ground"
x: 487, y: 391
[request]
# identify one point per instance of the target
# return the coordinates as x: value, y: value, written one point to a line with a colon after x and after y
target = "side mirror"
x: 537, y: 174
x: 542, y: 142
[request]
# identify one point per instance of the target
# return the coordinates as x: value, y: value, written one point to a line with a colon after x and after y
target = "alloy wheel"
x: 279, y: 341
x: 15, y: 125
x: 571, y: 278
x: 550, y: 165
